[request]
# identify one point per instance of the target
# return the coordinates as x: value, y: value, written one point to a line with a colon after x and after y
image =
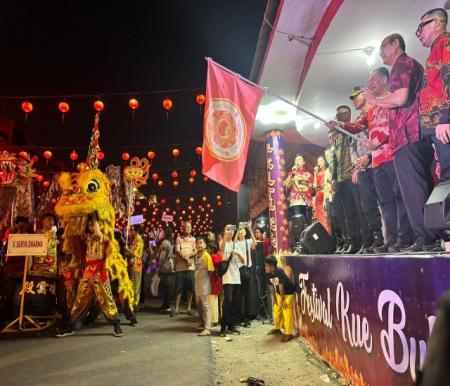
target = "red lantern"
x: 27, y: 107
x: 125, y: 156
x: 174, y: 174
x: 175, y: 152
x: 163, y: 201
x: 63, y: 107
x: 39, y: 178
x: 155, y: 176
x: 193, y: 173
x: 204, y: 198
x: 219, y: 204
x: 177, y: 201
x: 160, y: 183
x: 191, y: 180
x: 191, y: 199
x: 133, y: 103
x: 167, y: 104
x: 201, y: 99
x: 151, y: 154
x: 46, y: 184
x: 175, y: 183
x: 35, y: 159
x: 47, y: 154
x: 23, y: 154
x: 98, y: 105
x: 73, y: 156
x: 199, y: 150
x: 205, y: 179
x: 53, y: 201
x: 100, y: 155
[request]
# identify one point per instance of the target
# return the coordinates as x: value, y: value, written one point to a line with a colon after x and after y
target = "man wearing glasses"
x: 434, y: 94
x: 412, y: 154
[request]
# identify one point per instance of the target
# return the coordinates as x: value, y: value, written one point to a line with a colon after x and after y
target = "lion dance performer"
x: 88, y: 219
x: 135, y: 253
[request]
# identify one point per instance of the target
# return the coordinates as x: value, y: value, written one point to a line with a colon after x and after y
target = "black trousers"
x: 168, y: 281
x: 344, y: 193
x: 364, y: 231
x: 337, y: 214
x: 443, y: 152
x: 394, y: 214
x: 412, y: 165
x: 369, y: 200
x: 231, y: 301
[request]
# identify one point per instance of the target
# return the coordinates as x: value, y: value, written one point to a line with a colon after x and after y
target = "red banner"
x: 231, y: 106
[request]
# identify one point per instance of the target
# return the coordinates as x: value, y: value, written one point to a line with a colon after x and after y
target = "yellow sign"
x: 21, y: 244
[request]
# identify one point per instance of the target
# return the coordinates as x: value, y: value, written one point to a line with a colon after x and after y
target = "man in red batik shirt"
x: 412, y: 154
x: 434, y: 94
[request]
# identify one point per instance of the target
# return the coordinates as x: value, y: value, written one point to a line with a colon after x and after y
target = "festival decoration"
x: 27, y: 107
x: 94, y: 148
x: 160, y: 183
x: 99, y: 106
x: 39, y: 178
x: 191, y: 180
x: 167, y: 104
x: 47, y: 154
x: 73, y: 156
x: 201, y: 99
x: 193, y: 173
x: 176, y: 152
x: 46, y: 184
x: 174, y: 174
x: 175, y: 183
x: 135, y: 176
x: 151, y: 155
x: 125, y: 156
x: 35, y: 159
x: 205, y: 178
x: 100, y: 155
x: 23, y: 155
x: 155, y: 176
x: 133, y: 103
x: 63, y: 107
x: 199, y: 150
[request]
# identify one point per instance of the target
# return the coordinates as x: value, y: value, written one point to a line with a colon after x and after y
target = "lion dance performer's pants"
x: 136, y: 278
x: 284, y: 316
x: 95, y: 284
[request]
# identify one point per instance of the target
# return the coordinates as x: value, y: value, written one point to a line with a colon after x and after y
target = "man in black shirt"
x: 282, y: 289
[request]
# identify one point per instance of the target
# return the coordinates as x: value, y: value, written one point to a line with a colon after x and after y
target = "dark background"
x: 54, y: 48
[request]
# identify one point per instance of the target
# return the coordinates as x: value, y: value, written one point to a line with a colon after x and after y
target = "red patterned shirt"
x: 404, y: 121
x: 376, y: 121
x: 434, y: 94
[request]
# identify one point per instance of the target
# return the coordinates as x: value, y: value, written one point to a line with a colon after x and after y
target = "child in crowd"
x: 216, y: 281
x: 203, y: 267
x: 282, y: 289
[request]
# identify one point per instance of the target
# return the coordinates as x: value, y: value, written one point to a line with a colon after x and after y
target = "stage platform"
x: 369, y: 316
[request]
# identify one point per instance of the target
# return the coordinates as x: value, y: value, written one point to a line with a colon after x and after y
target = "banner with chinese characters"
x: 276, y: 175
x: 369, y: 317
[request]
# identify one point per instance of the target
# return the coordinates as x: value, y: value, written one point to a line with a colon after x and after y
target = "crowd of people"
x: 397, y: 150
x: 228, y: 297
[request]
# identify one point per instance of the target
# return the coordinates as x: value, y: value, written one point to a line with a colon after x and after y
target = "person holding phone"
x: 231, y: 281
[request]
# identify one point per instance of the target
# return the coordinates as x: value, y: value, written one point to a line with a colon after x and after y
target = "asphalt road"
x: 159, y: 351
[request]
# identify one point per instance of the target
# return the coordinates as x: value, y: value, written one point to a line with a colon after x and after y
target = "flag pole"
x: 266, y: 89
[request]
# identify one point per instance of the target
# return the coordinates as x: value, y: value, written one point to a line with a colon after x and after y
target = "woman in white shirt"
x: 231, y: 281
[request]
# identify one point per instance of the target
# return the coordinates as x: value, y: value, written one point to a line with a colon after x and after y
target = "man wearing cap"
x: 376, y: 120
x: 364, y: 191
x: 412, y: 154
x: 434, y: 93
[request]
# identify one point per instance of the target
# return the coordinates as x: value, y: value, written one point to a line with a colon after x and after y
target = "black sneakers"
x: 133, y: 322
x: 117, y: 330
x: 68, y: 331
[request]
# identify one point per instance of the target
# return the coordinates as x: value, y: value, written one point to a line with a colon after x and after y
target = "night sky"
x: 76, y: 47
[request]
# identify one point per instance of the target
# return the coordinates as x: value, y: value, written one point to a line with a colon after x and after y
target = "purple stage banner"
x: 369, y: 317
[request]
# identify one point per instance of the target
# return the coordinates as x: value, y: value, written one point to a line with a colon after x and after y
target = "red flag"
x: 231, y: 106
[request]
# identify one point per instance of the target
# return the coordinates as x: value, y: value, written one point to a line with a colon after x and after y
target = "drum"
x: 40, y: 296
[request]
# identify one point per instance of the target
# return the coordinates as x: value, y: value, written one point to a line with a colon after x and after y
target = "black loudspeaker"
x: 315, y: 239
x: 437, y: 208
